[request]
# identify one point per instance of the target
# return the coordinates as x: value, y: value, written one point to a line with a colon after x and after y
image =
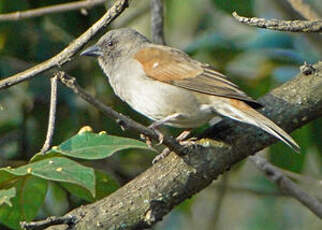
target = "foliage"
x: 23, y: 189
x: 76, y: 171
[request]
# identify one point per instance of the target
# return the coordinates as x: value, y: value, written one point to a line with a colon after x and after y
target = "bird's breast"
x: 156, y: 99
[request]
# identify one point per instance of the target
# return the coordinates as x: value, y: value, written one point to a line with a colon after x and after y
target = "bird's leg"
x: 148, y: 140
x: 158, y: 123
x: 165, y: 152
x: 184, y: 140
x: 180, y: 138
x: 162, y: 121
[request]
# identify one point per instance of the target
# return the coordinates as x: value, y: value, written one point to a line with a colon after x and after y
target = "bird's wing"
x: 174, y: 67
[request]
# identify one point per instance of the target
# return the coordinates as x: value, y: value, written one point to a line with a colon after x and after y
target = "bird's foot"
x: 154, y: 127
x: 148, y: 140
x: 184, y: 140
x: 162, y: 155
x: 181, y: 138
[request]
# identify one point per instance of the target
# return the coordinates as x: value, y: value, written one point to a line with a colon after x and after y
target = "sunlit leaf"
x: 59, y: 169
x: 92, y: 146
x: 104, y: 186
x: 40, y: 156
x: 57, y: 200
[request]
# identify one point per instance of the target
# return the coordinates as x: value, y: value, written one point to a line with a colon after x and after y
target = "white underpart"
x: 155, y: 99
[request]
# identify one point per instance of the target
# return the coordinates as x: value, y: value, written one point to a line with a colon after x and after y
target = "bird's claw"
x: 160, y: 156
x: 182, y: 136
x: 189, y: 142
x: 182, y: 141
x: 148, y: 140
x: 160, y: 135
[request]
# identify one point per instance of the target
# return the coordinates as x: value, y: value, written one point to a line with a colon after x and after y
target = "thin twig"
x: 282, y: 25
x: 59, y: 8
x: 65, y: 55
x: 52, y: 114
x: 50, y: 221
x: 287, y: 186
x: 302, y: 178
x: 130, y: 124
x: 157, y: 22
x: 304, y: 9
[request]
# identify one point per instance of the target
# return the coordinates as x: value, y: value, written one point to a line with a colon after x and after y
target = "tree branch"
x: 50, y: 221
x: 287, y: 186
x: 304, y: 9
x: 65, y: 55
x: 52, y: 114
x: 59, y: 8
x: 282, y: 25
x: 148, y: 197
x: 157, y: 22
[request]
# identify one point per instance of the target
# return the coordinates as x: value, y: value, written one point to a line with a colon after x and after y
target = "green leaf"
x: 93, y: 146
x: 58, y: 169
x: 6, y: 195
x: 5, y: 177
x: 40, y: 156
x: 57, y: 200
x: 105, y: 185
x: 30, y: 195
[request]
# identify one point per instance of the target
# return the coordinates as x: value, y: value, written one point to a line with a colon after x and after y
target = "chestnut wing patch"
x: 166, y: 65
x: 174, y: 67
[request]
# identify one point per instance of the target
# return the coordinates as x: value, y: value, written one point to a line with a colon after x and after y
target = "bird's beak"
x: 93, y: 51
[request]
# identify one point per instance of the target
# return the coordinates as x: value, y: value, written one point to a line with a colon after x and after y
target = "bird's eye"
x: 110, y: 43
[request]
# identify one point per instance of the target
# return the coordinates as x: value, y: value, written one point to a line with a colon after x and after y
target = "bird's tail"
x: 240, y: 111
